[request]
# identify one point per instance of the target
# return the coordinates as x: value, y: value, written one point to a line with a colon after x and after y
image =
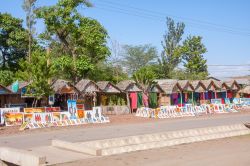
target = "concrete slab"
x: 57, y: 155
x: 149, y: 141
x: 21, y: 157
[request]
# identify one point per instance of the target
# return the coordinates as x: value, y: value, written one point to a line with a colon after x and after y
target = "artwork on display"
x: 13, y: 119
x: 51, y: 100
x: 64, y: 116
x: 27, y: 117
x: 56, y: 116
x: 42, y: 117
x: 72, y: 109
x: 88, y: 114
x: 216, y: 101
x: 80, y: 114
x: 7, y: 110
x: 34, y: 110
x: 52, y: 109
x: 97, y: 112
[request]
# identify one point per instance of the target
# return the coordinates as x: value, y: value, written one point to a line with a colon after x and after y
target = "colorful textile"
x: 153, y: 100
x: 139, y: 100
x: 133, y: 99
x: 145, y: 100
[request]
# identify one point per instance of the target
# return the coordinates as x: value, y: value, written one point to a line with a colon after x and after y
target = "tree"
x: 194, y: 62
x: 138, y: 56
x: 171, y: 55
x: 145, y: 76
x: 6, y: 77
x: 29, y: 7
x: 13, y: 42
x: 78, y: 37
x: 38, y: 74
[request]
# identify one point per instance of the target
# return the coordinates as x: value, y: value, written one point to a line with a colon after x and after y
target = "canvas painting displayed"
x: 7, y: 110
x: 27, y: 117
x: 216, y: 101
x: 72, y: 109
x: 56, y: 116
x: 52, y: 109
x: 13, y: 119
x: 34, y: 110
x: 65, y: 116
x: 97, y: 112
x: 88, y: 114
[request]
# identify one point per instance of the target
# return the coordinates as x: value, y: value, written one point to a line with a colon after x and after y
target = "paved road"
x: 84, y: 134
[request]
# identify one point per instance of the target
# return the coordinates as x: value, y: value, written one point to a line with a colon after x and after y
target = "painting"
x: 88, y: 114
x: 216, y: 101
x: 27, y: 117
x: 56, y: 116
x: 97, y: 112
x: 7, y: 110
x: 52, y: 109
x: 13, y: 119
x: 65, y: 115
x: 34, y: 110
x: 72, y: 109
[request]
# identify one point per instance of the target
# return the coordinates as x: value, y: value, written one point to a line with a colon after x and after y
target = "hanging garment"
x: 139, y: 100
x: 104, y: 100
x: 153, y: 100
x: 145, y: 100
x: 133, y: 99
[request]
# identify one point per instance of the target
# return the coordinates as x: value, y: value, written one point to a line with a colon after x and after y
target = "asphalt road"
x: 28, y: 140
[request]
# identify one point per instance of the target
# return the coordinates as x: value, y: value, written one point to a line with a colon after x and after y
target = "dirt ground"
x: 114, y: 120
x: 233, y: 151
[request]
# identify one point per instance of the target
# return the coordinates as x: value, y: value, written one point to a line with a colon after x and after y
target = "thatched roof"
x: 108, y: 87
x: 155, y: 88
x: 198, y: 86
x: 245, y: 90
x: 63, y: 87
x: 186, y: 85
x: 86, y: 86
x: 22, y: 84
x: 4, y: 90
x: 169, y: 86
x: 211, y: 84
x: 128, y: 85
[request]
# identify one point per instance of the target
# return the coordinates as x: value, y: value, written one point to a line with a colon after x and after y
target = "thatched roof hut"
x: 129, y: 86
x: 87, y: 86
x: 198, y: 86
x: 21, y: 85
x: 169, y: 86
x: 108, y: 87
x: 63, y: 87
x: 186, y: 85
x: 245, y: 90
x: 4, y: 90
x: 211, y: 85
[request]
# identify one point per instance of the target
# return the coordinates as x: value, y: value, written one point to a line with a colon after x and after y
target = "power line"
x: 174, y: 16
x: 110, y: 8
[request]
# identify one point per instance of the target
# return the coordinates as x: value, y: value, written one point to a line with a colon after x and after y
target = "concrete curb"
x: 150, y: 141
x: 20, y: 157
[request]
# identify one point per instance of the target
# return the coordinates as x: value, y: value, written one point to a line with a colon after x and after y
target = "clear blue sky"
x: 223, y: 24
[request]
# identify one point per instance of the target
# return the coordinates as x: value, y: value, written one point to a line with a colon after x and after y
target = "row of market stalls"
x: 128, y: 94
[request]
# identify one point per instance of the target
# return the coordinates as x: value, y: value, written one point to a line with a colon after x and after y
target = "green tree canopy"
x: 13, y: 42
x: 136, y: 57
x: 39, y: 74
x: 194, y: 62
x: 77, y: 36
x: 171, y: 55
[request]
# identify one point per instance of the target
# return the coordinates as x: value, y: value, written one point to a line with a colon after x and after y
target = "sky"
x: 224, y: 26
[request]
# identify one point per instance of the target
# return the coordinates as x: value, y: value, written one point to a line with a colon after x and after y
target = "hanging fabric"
x: 133, y: 99
x: 153, y: 100
x: 139, y: 100
x: 145, y: 100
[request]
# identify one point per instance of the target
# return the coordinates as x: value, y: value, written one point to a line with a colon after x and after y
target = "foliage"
x: 13, y: 42
x: 6, y: 77
x: 75, y: 35
x: 29, y: 8
x: 145, y: 76
x: 39, y: 74
x: 138, y: 56
x: 108, y: 72
x: 192, y: 55
x: 171, y: 56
